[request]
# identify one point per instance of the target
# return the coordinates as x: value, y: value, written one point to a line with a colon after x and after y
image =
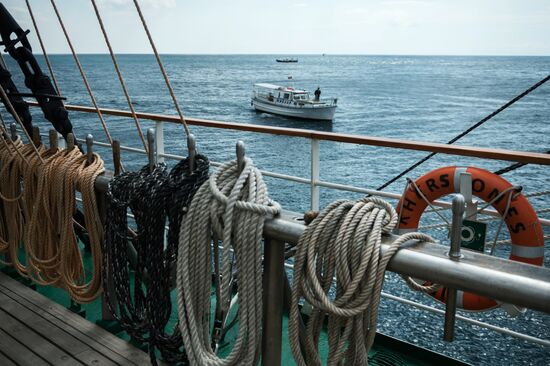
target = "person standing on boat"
x: 317, y: 94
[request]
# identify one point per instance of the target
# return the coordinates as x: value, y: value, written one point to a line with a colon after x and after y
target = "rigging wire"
x: 513, y: 167
x: 120, y: 78
x: 468, y: 130
x: 162, y: 70
x: 82, y: 74
x: 43, y: 49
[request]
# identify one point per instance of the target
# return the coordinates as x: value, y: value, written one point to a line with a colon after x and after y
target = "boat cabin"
x: 281, y: 93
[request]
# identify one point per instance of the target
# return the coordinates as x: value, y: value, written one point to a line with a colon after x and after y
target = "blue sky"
x: 419, y: 27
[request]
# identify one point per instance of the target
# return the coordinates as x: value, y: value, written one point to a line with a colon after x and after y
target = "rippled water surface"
x: 418, y: 98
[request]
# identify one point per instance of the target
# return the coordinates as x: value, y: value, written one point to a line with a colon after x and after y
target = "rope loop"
x: 343, y: 243
x: 231, y: 206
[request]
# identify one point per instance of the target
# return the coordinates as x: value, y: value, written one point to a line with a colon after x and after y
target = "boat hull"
x: 319, y: 112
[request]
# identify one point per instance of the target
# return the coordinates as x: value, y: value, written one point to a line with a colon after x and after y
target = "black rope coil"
x: 156, y: 199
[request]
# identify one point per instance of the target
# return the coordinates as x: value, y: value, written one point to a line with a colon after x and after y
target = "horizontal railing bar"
x: 486, y: 153
x: 495, y: 328
x: 342, y: 187
x: 485, y: 325
x: 504, y: 280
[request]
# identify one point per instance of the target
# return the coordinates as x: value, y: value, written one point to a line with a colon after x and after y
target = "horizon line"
x: 300, y: 54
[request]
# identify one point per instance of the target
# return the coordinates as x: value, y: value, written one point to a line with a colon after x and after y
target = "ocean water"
x: 406, y: 97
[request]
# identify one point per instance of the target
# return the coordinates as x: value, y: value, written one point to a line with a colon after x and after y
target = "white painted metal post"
x: 159, y: 141
x: 315, y: 146
x: 466, y: 191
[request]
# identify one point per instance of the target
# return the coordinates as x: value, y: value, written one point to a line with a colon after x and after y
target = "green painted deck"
x: 386, y: 350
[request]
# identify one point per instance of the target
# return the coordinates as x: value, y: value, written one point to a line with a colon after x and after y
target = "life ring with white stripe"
x: 521, y: 219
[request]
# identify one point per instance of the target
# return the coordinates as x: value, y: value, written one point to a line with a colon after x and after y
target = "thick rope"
x: 344, y: 241
x: 232, y: 206
x: 155, y: 197
x: 11, y: 221
x: 42, y: 185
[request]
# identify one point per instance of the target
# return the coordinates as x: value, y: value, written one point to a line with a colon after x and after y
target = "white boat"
x: 287, y: 101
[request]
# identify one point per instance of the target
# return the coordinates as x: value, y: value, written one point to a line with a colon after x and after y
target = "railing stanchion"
x: 274, y: 266
x: 159, y: 141
x: 315, y: 167
x: 454, y: 254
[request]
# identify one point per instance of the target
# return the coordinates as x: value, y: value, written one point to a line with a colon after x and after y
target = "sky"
x: 389, y: 27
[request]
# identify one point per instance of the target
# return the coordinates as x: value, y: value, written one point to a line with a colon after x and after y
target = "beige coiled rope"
x: 232, y: 205
x: 11, y: 221
x: 44, y: 221
x: 344, y: 241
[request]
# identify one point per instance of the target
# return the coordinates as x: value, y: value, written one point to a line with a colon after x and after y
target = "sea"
x: 421, y: 98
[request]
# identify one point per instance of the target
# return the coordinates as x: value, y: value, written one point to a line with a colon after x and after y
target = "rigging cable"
x: 162, y: 70
x: 343, y: 241
x: 82, y: 74
x: 464, y: 133
x: 512, y: 167
x: 119, y: 74
x: 232, y: 205
x: 46, y: 58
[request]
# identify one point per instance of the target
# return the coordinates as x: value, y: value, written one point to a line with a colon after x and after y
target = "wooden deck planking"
x: 64, y: 335
x: 19, y: 353
x: 23, y: 334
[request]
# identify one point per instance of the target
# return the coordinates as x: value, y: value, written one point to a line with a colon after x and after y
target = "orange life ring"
x: 522, y: 221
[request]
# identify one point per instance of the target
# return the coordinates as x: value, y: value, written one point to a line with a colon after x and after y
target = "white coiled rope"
x: 343, y: 242
x: 232, y: 205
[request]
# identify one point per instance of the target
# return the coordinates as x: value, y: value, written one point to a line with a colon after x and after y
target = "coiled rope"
x: 11, y: 223
x: 232, y: 206
x: 343, y: 241
x: 41, y: 187
x: 155, y: 197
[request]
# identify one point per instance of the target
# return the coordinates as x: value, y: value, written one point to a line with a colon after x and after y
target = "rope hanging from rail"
x: 156, y: 198
x: 232, y: 206
x: 467, y: 131
x: 342, y: 242
x: 39, y: 194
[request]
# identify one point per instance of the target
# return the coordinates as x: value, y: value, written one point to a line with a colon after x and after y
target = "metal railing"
x: 315, y: 137
x: 283, y: 230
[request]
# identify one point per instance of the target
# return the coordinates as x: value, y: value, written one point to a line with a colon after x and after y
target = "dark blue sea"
x: 406, y: 97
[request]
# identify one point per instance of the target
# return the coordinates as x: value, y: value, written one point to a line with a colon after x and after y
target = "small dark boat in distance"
x: 286, y: 60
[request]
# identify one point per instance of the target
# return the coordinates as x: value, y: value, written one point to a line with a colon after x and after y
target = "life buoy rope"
x: 520, y: 217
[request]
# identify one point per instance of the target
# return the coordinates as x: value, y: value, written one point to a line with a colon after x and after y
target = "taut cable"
x: 81, y: 70
x: 162, y: 70
x: 43, y: 49
x: 120, y: 78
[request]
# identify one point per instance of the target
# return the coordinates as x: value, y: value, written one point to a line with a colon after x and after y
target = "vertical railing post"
x: 159, y: 141
x: 315, y: 166
x: 454, y: 254
x: 274, y: 266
